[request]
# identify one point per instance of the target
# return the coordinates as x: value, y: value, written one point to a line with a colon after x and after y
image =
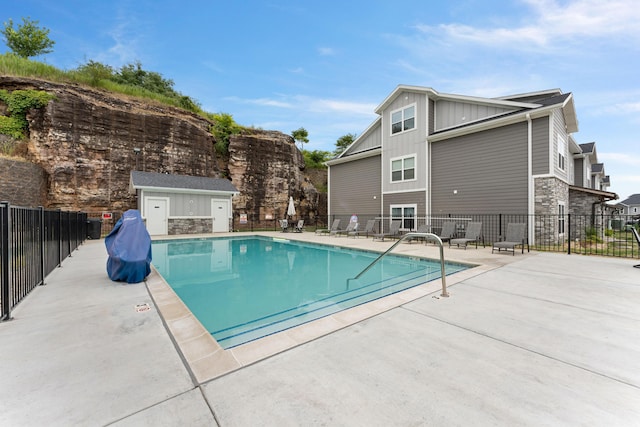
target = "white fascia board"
x: 570, y: 116
x: 401, y: 88
x: 187, y: 190
x: 362, y: 155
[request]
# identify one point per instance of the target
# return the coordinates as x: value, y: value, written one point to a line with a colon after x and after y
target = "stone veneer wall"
x: 190, y: 225
x: 23, y: 183
x: 548, y: 193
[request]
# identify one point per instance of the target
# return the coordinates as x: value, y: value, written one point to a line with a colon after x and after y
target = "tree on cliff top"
x: 28, y: 39
x: 300, y: 135
x: 343, y: 143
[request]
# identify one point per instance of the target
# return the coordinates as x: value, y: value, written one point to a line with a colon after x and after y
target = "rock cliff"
x: 87, y: 141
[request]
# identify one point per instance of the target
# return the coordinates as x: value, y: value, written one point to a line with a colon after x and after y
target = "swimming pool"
x: 245, y: 288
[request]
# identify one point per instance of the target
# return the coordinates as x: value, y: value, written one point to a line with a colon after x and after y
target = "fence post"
x: 569, y: 234
x: 59, y: 226
x: 42, y: 243
x: 4, y: 262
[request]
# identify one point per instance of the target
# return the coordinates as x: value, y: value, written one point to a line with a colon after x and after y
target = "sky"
x: 326, y: 65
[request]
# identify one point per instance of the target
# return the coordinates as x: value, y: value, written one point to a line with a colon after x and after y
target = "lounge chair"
x: 424, y: 228
x: 353, y: 226
x: 448, y: 230
x: 471, y: 235
x: 513, y: 238
x: 368, y: 229
x: 635, y: 234
x: 334, y: 226
x: 298, y: 227
x: 284, y: 225
x: 394, y: 231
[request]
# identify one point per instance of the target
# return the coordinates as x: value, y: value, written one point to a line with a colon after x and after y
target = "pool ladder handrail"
x: 404, y: 237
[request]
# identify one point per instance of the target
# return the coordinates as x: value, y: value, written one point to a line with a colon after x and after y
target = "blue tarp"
x: 129, y: 249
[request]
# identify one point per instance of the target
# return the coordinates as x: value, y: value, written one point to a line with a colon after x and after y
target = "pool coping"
x: 206, y: 359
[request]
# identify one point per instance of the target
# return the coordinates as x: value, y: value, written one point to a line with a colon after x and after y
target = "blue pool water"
x: 245, y: 288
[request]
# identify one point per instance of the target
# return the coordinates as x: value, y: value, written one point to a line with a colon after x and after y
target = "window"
x: 403, y: 120
x: 406, y: 214
x: 562, y: 153
x: 403, y: 169
x: 561, y: 218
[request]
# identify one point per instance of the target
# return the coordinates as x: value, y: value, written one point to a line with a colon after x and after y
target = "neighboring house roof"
x: 597, y: 168
x: 634, y: 199
x: 180, y: 183
x: 588, y: 147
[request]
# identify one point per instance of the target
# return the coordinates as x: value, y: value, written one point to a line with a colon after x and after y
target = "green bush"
x: 12, y: 127
x: 19, y: 102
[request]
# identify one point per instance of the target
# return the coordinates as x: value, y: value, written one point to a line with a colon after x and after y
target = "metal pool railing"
x: 33, y: 242
x: 400, y: 240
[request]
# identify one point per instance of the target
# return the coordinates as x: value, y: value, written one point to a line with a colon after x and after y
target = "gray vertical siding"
x: 540, y: 146
x: 353, y: 186
x: 431, y: 120
x: 488, y: 169
x: 455, y: 113
x: 405, y: 143
x: 578, y: 172
x: 372, y: 139
x: 559, y: 130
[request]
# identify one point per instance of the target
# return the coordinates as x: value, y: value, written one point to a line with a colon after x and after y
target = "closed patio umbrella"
x: 291, y: 210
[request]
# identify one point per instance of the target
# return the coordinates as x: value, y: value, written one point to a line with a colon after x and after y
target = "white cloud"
x: 326, y: 51
x: 303, y: 103
x: 622, y: 158
x: 549, y: 24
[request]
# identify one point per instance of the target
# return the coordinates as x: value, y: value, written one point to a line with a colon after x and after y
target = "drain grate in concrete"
x: 142, y: 307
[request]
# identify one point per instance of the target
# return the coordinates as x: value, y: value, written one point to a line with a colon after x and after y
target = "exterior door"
x: 156, y: 213
x: 220, y: 214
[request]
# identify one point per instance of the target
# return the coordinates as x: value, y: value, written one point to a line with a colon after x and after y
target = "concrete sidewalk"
x: 546, y: 339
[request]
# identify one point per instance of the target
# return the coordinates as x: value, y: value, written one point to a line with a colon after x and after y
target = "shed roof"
x: 155, y: 180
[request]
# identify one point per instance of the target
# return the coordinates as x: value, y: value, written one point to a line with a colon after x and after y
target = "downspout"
x: 530, y: 184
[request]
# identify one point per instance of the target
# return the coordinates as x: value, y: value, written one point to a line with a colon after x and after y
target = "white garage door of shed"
x: 156, y: 214
x: 220, y: 213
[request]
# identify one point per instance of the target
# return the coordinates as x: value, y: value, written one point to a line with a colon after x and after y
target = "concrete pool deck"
x: 539, y: 339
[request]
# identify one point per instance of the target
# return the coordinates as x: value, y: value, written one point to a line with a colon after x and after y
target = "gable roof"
x: 588, y: 147
x: 597, y: 168
x: 180, y: 183
x: 634, y: 199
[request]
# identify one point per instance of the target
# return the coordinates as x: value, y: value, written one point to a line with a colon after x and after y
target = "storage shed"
x: 181, y: 204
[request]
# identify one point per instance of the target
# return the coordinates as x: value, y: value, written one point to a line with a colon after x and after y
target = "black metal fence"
x: 606, y: 235
x: 33, y: 242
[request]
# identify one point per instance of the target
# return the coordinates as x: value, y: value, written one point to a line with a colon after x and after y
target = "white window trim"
x: 564, y: 218
x: 562, y: 143
x: 403, y: 206
x: 415, y: 119
x: 415, y: 168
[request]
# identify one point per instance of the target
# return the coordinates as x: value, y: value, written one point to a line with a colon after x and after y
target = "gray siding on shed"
x: 353, y: 186
x: 540, y: 146
x: 184, y: 204
x: 488, y: 169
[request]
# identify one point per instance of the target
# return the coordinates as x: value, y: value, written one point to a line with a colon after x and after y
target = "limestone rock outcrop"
x: 87, y: 141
